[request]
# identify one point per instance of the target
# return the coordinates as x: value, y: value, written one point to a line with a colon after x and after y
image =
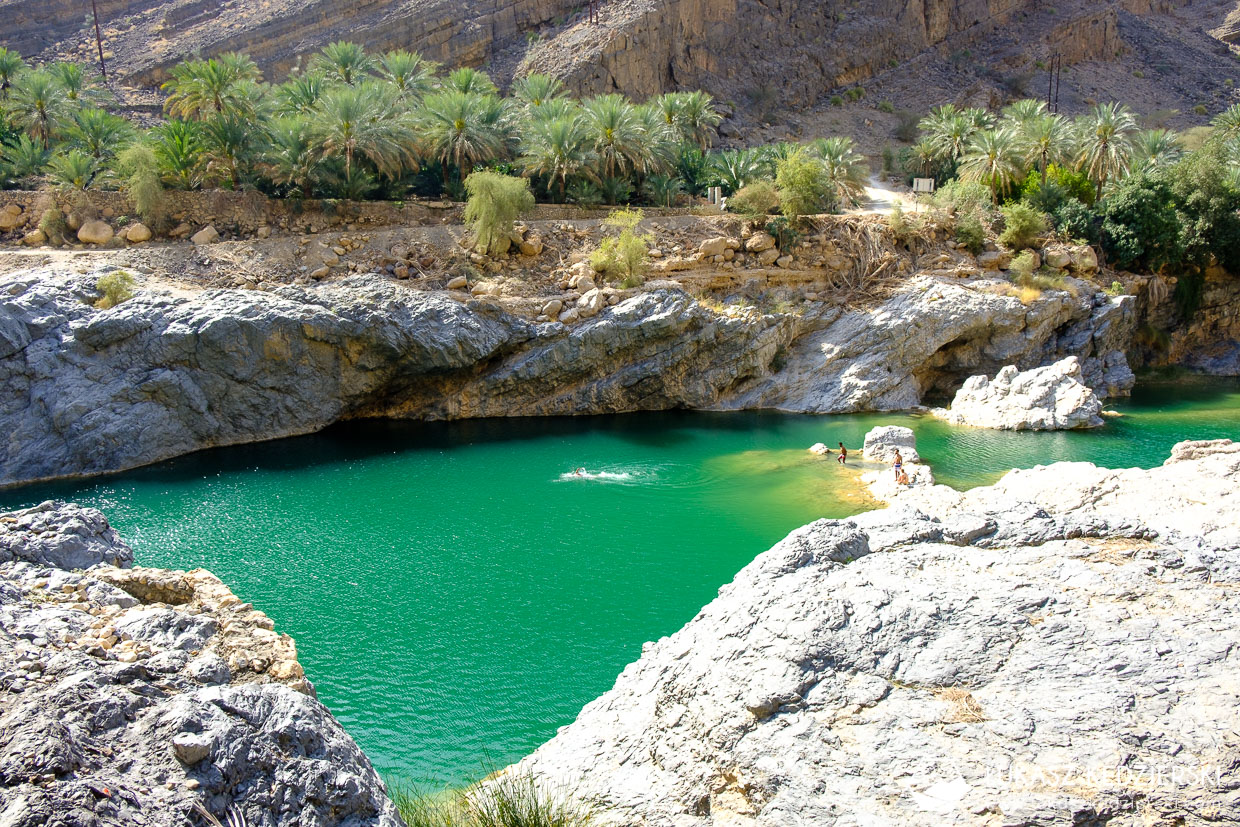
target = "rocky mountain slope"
x: 1059, y: 648
x: 168, y: 372
x: 131, y: 696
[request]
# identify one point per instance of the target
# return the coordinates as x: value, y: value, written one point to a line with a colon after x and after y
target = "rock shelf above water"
x: 1031, y: 652
x: 128, y: 695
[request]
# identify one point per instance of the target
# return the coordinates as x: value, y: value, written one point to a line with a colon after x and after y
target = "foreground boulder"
x: 1026, y: 653
x: 1050, y: 398
x: 130, y: 696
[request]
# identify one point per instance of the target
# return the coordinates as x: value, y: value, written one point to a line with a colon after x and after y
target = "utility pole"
x: 1053, y: 70
x: 103, y: 70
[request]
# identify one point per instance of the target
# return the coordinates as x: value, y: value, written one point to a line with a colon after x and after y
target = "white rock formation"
x: 1049, y: 398
x: 882, y: 443
x: 1027, y: 653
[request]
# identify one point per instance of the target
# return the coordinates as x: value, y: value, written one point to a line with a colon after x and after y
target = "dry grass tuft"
x: 964, y: 708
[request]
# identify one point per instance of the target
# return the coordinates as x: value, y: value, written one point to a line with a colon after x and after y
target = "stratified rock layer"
x: 89, y: 391
x: 1059, y: 648
x: 1049, y: 398
x: 130, y: 695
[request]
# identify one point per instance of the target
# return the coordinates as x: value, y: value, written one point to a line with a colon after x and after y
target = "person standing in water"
x: 843, y: 457
x: 898, y: 465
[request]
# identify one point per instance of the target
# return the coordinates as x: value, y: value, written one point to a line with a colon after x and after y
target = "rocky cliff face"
x: 163, y: 374
x: 131, y: 696
x: 1056, y: 649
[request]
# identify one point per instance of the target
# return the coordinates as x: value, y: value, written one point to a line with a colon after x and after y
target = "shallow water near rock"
x: 457, y: 593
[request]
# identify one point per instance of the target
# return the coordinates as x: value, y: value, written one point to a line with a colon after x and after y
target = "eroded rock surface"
x: 165, y: 374
x: 128, y: 695
x: 1049, y: 398
x: 1027, y: 653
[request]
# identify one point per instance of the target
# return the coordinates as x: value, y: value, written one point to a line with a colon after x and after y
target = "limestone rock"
x: 207, y: 235
x: 62, y: 536
x: 552, y: 308
x: 1084, y: 259
x: 137, y: 233
x: 10, y: 220
x: 582, y: 283
x: 1049, y: 398
x: 760, y: 242
x: 591, y: 303
x: 882, y: 443
x: 920, y: 664
x: 768, y: 256
x: 717, y: 246
x: 34, y: 238
x: 457, y: 283
x: 819, y: 448
x: 531, y: 245
x: 94, y: 232
x: 1058, y: 258
x: 117, y: 691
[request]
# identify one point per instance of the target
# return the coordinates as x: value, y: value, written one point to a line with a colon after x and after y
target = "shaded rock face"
x: 129, y: 695
x: 61, y: 536
x: 158, y: 376
x: 1008, y: 655
x: 1049, y: 398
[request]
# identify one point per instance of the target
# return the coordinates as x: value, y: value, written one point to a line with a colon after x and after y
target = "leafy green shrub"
x: 801, y: 183
x: 1023, y: 226
x: 886, y: 106
x: 117, y: 287
x: 905, y: 230
x: 506, y: 800
x: 888, y: 160
x: 52, y: 223
x: 784, y: 233
x: 757, y: 199
x: 965, y: 198
x: 906, y: 125
x: 626, y: 255
x: 1138, y: 229
x: 495, y: 202
x: 1023, y: 266
x: 1116, y: 289
x: 1076, y: 221
x: 836, y: 100
x: 856, y: 93
x: 970, y: 234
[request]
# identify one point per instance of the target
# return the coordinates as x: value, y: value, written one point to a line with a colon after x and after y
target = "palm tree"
x: 40, y: 106
x: 553, y: 108
x: 345, y: 62
x: 24, y: 157
x: 698, y: 119
x: 534, y: 91
x: 409, y: 74
x: 290, y: 158
x: 993, y: 158
x: 617, y: 133
x: 663, y: 189
x: 925, y: 157
x: 99, y: 133
x: 1019, y: 112
x: 469, y: 81
x: 461, y: 128
x: 845, y: 171
x: 205, y: 88
x: 1045, y: 139
x: 363, y: 120
x: 228, y: 141
x: 662, y: 143
x: 951, y: 136
x: 559, y: 149
x: 737, y: 168
x: 1155, y: 149
x: 78, y: 85
x: 11, y: 65
x: 74, y: 170
x: 178, y: 149
x: 1226, y: 123
x: 300, y: 94
x: 1105, y: 143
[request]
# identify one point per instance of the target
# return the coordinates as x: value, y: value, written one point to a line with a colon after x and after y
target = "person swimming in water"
x: 898, y: 465
x: 843, y: 457
x: 579, y: 472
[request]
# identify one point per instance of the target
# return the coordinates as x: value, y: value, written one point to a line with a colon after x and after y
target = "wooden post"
x: 103, y: 70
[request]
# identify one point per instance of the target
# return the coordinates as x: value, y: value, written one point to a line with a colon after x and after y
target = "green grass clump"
x: 504, y: 800
x: 116, y: 287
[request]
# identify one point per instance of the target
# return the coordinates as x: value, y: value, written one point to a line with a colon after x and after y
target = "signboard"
x: 921, y: 185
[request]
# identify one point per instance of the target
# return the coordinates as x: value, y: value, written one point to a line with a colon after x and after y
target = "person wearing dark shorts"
x: 898, y: 465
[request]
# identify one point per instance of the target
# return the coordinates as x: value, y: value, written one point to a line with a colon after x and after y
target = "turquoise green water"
x: 455, y: 600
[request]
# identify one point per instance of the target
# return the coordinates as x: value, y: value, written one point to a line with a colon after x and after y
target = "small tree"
x: 495, y: 202
x: 802, y: 188
x: 625, y: 255
x: 139, y: 170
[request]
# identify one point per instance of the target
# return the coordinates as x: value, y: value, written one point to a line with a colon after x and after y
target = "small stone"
x: 34, y: 238
x: 137, y: 233
x: 191, y: 747
x: 457, y: 283
x: 264, y: 232
x: 95, y: 232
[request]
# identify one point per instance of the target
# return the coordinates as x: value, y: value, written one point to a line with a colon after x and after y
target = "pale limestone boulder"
x: 531, y: 245
x: 760, y: 242
x: 1052, y: 397
x: 591, y: 303
x: 768, y: 256
x: 34, y: 238
x: 457, y: 283
x: 138, y: 233
x: 819, y: 449
x: 882, y: 443
x: 552, y: 309
x: 207, y: 235
x: 1084, y: 259
x: 95, y: 232
x: 716, y: 246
